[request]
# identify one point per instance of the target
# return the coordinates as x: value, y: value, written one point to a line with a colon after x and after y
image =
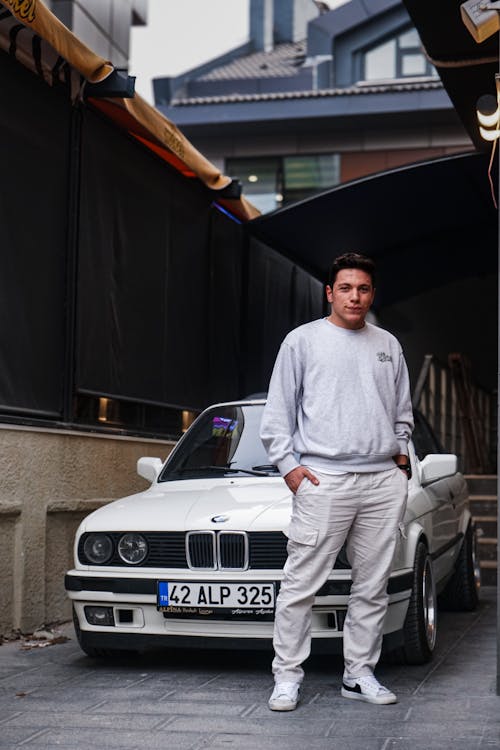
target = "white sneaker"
x: 285, y: 696
x: 367, y: 688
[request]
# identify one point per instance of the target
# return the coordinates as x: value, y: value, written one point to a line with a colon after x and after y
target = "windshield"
x: 223, y: 441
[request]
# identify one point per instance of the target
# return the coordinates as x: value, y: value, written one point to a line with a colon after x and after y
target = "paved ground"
x: 55, y: 697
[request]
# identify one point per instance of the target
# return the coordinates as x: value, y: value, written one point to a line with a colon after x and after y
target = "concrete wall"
x: 50, y: 481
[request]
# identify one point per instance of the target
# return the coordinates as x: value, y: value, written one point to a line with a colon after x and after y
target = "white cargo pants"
x: 365, y: 509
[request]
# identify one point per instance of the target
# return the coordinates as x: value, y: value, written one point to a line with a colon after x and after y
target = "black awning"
x: 466, y: 67
x: 426, y: 225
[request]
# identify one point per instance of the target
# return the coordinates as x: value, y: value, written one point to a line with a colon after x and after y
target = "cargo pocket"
x: 301, y: 533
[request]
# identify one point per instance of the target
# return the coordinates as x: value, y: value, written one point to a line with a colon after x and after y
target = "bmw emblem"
x: 220, y: 519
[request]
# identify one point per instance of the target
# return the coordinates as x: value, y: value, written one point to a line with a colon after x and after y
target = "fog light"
x: 99, y: 615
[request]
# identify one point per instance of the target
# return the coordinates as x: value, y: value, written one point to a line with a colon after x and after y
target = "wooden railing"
x: 461, y: 413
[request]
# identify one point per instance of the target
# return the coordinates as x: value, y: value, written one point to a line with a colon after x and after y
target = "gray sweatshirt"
x: 338, y: 400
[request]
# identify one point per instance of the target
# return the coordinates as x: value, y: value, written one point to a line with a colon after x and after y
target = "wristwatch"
x: 406, y: 468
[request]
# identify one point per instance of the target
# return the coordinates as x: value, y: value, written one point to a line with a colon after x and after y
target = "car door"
x: 444, y: 499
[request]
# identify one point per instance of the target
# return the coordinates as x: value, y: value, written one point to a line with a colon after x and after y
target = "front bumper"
x: 137, y: 620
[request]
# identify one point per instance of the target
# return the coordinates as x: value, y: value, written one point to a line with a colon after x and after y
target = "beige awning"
x: 36, y: 38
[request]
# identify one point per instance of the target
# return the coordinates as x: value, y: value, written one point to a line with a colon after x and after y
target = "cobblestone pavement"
x: 56, y: 697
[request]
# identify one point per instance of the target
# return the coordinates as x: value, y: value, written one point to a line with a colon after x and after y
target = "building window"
x: 400, y: 57
x: 130, y: 417
x: 272, y: 182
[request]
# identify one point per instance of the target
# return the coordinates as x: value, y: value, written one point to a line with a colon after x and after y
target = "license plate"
x: 180, y: 595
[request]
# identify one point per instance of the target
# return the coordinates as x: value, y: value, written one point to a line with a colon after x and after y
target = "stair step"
x: 488, y: 564
x: 487, y: 549
x: 479, y: 483
x: 486, y: 526
x: 488, y: 572
x: 483, y: 507
x: 488, y: 576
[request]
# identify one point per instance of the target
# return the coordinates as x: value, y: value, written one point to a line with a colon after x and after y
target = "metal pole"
x: 72, y: 260
x: 498, y: 428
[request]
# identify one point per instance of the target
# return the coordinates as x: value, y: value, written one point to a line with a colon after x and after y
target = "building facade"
x: 316, y: 97
x: 104, y: 25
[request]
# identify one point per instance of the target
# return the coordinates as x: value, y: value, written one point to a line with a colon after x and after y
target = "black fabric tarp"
x: 144, y: 274
x: 225, y: 284
x: 421, y: 223
x: 281, y: 296
x: 120, y: 278
x: 34, y: 151
x: 173, y: 309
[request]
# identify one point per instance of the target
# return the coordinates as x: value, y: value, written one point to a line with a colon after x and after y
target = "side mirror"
x: 149, y: 468
x: 437, y: 466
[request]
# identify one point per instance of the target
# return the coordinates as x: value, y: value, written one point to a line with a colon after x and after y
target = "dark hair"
x: 352, y: 260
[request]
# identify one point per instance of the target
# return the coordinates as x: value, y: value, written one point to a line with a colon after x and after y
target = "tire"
x: 462, y: 590
x: 94, y: 653
x: 420, y: 626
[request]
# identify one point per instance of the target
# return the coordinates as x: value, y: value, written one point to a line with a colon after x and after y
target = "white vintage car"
x: 197, y: 559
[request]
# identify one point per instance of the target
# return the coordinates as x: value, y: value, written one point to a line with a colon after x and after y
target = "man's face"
x: 350, y: 297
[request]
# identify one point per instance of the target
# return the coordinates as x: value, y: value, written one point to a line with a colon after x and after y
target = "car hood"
x: 239, y: 504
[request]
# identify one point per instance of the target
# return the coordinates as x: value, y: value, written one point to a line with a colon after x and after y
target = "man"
x: 339, y: 399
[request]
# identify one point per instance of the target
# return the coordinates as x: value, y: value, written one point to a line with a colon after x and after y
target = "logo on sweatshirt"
x: 383, y: 357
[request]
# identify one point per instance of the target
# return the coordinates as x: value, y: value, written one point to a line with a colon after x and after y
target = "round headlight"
x: 132, y: 548
x: 98, y: 548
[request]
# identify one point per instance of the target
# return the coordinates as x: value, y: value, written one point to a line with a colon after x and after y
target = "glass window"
x: 381, y: 62
x: 261, y: 181
x: 223, y: 441
x: 401, y: 57
x: 413, y: 65
x: 305, y: 175
x: 272, y: 182
x: 424, y: 439
x: 134, y: 418
x: 409, y: 39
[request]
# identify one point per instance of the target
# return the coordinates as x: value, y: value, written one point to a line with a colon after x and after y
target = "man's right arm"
x: 280, y: 417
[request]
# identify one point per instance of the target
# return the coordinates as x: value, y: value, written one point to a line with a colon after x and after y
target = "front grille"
x: 222, y: 550
x: 232, y: 550
x: 201, y: 550
x: 263, y: 550
x: 267, y: 550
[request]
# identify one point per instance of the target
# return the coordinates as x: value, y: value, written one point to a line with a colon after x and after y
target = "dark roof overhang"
x: 424, y: 224
x: 466, y: 67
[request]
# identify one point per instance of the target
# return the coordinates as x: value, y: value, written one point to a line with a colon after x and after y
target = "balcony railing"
x: 462, y: 413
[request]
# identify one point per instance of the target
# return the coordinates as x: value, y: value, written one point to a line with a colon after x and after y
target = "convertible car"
x: 197, y: 559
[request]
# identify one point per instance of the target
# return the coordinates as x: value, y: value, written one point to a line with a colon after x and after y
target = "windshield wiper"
x: 268, y: 468
x: 225, y: 469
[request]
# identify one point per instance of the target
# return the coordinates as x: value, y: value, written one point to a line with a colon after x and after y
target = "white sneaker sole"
x: 381, y: 701
x: 281, y: 706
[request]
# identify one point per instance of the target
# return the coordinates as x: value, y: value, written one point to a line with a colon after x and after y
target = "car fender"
x: 414, y: 532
